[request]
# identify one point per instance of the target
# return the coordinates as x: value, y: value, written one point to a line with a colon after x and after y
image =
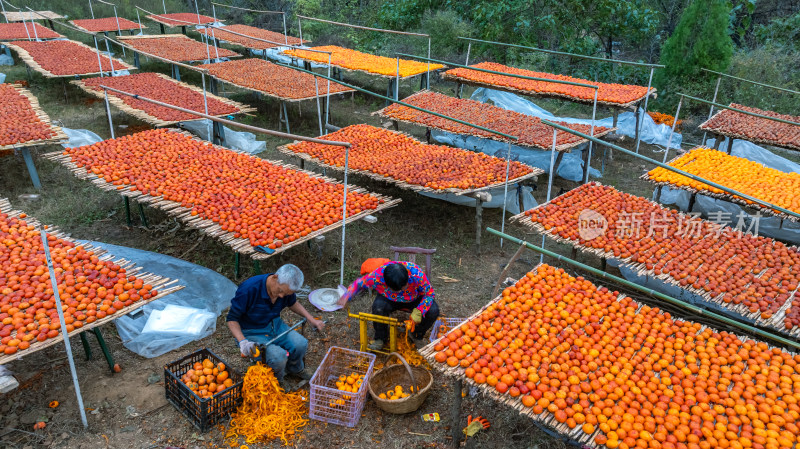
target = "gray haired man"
x: 255, y: 317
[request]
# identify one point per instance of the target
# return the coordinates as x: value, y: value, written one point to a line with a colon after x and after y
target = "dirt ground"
x: 129, y: 410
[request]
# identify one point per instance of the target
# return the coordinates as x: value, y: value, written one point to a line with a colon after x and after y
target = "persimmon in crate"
x: 189, y: 382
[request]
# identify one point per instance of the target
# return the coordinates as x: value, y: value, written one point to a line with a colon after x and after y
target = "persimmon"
x: 397, y: 156
x: 177, y: 19
x: 104, y: 24
x: 271, y: 79
x: 66, y: 58
x: 756, y: 273
x: 743, y: 175
x: 356, y: 60
x: 21, y: 121
x: 224, y: 33
x: 756, y: 129
x: 655, y: 382
x: 250, y: 198
x: 607, y: 93
x: 27, y: 308
x: 176, y: 47
x: 160, y: 87
x: 26, y: 30
x: 530, y: 130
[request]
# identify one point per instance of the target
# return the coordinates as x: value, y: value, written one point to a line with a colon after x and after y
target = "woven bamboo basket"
x: 404, y: 375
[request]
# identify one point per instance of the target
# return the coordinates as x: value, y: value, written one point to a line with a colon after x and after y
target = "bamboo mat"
x: 629, y: 105
x: 258, y: 45
x: 164, y: 286
x: 117, y: 101
x: 209, y: 227
x: 721, y: 196
x: 738, y: 311
x: 58, y: 138
x: 567, y: 147
x: 546, y: 418
x: 402, y: 184
x: 31, y: 62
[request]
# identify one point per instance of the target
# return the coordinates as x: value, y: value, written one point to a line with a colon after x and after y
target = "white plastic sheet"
x: 204, y: 290
x: 238, y: 140
x: 276, y: 55
x: 626, y: 122
x: 79, y: 137
x: 180, y: 321
x: 512, y: 201
x: 6, y: 58
x: 2, y: 78
x: 767, y: 226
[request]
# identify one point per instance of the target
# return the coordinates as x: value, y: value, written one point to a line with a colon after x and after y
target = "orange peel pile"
x: 267, y: 412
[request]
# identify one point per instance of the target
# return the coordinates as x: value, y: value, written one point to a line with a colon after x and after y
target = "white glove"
x: 247, y: 347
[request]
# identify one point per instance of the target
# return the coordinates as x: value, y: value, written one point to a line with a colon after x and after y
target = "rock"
x: 32, y: 416
x: 130, y: 428
x: 130, y: 411
x: 153, y: 378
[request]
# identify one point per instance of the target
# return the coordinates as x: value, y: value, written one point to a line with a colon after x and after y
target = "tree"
x: 701, y: 40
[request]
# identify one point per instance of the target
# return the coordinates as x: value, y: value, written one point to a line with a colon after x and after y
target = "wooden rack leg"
x: 636, y: 133
x: 127, y: 202
x: 236, y: 262
x: 478, y: 214
x: 585, y: 158
x: 717, y: 141
x: 730, y: 145
x: 692, y: 197
x: 455, y: 414
x: 86, y: 348
x: 458, y: 90
x: 26, y: 155
x: 256, y: 267
x: 428, y: 135
x: 505, y: 270
x: 183, y: 29
x: 559, y: 156
x: 176, y: 73
x: 389, y: 91
x: 142, y: 215
x: 104, y: 348
x: 136, y: 62
x: 658, y: 193
x: 603, y: 263
x: 163, y: 31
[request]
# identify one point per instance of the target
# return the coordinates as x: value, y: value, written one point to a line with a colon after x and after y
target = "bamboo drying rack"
x: 119, y: 103
x: 545, y: 418
x: 30, y: 60
x: 740, y: 311
x: 208, y: 67
x: 348, y: 69
x: 209, y: 227
x: 130, y: 43
x: 164, y: 286
x: 402, y: 184
x: 563, y: 147
x: 721, y: 196
x: 530, y: 93
x: 41, y: 115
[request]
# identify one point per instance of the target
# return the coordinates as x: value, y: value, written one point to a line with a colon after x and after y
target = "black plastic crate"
x: 203, y: 413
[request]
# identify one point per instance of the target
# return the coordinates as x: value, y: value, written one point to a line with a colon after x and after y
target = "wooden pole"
x: 455, y: 414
